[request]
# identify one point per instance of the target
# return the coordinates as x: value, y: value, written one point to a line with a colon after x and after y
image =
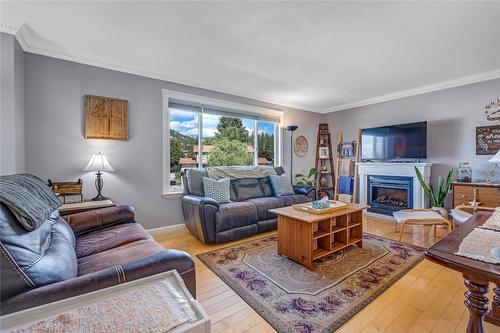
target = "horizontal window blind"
x: 215, y: 110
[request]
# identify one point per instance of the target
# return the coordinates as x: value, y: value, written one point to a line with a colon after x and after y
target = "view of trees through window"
x: 225, y: 141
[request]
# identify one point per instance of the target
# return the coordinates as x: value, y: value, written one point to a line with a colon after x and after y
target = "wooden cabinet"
x: 487, y: 194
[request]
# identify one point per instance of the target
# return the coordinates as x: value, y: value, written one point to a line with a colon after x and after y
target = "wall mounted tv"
x: 396, y: 142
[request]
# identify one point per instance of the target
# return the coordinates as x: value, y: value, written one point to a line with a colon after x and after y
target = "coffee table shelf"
x: 304, y: 237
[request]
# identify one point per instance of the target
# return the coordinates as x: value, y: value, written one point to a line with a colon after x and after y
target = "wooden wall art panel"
x: 106, y: 118
x: 487, y: 139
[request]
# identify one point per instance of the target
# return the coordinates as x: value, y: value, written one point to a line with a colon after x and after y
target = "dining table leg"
x: 494, y: 315
x: 477, y: 303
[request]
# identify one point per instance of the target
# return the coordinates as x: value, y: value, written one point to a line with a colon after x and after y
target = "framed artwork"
x: 487, y: 139
x: 106, y: 118
x: 324, y: 153
x: 301, y: 146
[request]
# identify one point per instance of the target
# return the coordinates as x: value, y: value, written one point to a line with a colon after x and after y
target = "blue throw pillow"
x: 281, y: 185
x: 217, y: 189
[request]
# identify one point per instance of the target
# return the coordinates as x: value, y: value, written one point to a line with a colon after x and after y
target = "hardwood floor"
x: 429, y: 298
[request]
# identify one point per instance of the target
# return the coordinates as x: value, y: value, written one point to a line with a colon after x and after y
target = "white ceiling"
x: 317, y: 56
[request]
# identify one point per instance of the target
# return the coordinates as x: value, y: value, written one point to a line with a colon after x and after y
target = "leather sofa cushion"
x: 119, y: 255
x: 247, y: 188
x: 293, y: 199
x: 235, y: 214
x: 195, y: 181
x: 39, y: 257
x: 109, y: 238
x: 236, y: 233
x: 264, y: 204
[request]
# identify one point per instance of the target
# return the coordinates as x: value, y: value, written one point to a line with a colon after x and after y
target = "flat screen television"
x: 396, y: 142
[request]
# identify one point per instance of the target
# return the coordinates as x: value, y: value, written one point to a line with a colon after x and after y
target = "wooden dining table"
x: 477, y: 274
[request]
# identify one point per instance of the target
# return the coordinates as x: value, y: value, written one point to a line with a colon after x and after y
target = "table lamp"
x: 495, y: 159
x: 99, y: 162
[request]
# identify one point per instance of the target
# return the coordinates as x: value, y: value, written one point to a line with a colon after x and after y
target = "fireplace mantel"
x: 395, y: 169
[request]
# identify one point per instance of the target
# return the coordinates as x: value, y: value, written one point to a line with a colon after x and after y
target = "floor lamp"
x: 290, y: 129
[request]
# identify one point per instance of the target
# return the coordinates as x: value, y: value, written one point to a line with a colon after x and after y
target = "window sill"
x: 172, y: 195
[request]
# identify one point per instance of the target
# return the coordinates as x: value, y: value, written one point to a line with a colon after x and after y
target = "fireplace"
x: 387, y: 194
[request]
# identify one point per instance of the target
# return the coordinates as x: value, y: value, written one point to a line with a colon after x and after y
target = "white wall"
x: 12, y: 112
x: 452, y: 116
x: 56, y: 148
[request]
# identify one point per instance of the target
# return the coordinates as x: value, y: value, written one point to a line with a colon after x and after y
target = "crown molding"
x: 8, y: 29
x: 466, y: 80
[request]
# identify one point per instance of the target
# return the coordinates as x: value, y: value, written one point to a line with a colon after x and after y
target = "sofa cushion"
x: 267, y: 187
x: 247, y: 188
x: 281, y: 185
x: 293, y: 199
x: 264, y: 204
x: 195, y: 181
x: 36, y: 258
x: 108, y: 238
x: 119, y: 255
x: 235, y: 214
x: 217, y: 189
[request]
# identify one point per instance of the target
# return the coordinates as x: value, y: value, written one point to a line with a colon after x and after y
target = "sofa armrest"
x: 100, y: 218
x: 306, y: 190
x: 199, y: 215
x: 160, y: 262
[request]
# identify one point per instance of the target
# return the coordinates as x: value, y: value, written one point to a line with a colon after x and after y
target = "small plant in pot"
x: 437, y: 199
x: 308, y: 180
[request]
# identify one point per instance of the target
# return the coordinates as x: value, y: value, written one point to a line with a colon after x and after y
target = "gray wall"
x: 56, y: 148
x: 12, y: 112
x: 452, y: 116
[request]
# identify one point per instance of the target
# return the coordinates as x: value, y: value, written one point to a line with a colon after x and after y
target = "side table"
x: 78, y: 207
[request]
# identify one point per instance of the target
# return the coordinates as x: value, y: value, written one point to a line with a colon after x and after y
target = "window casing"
x: 200, y: 131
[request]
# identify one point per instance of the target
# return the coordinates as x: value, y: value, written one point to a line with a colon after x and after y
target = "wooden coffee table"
x: 335, y: 231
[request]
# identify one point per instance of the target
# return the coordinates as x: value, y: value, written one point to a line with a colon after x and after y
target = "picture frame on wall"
x: 487, y: 139
x: 324, y: 153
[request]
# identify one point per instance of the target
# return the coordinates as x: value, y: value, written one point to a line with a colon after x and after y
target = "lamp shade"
x: 496, y: 158
x: 291, y: 128
x: 98, y: 162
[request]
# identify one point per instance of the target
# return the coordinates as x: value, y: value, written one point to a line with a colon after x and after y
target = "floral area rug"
x: 293, y: 299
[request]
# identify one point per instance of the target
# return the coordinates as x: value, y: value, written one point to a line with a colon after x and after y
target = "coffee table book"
x: 299, y: 231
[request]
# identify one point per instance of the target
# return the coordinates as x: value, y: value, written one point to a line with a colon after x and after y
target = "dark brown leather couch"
x: 78, y: 254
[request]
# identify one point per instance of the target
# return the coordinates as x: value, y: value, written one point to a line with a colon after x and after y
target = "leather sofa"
x: 247, y: 213
x: 81, y: 253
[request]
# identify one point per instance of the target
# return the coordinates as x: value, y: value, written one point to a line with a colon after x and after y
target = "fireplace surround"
x: 390, y: 179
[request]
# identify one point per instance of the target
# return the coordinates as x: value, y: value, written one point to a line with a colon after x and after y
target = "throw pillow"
x: 281, y: 185
x: 217, y: 189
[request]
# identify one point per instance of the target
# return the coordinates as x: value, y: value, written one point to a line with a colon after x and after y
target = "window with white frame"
x: 207, y: 132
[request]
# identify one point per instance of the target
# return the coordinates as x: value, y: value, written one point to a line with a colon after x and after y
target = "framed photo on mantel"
x: 106, y: 118
x: 487, y: 139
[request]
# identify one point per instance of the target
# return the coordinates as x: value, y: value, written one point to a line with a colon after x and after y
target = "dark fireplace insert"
x: 387, y: 194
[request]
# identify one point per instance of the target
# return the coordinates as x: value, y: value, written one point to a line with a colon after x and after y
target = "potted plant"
x: 308, y: 180
x: 437, y: 199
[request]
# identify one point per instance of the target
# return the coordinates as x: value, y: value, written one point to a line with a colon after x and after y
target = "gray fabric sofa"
x: 247, y: 213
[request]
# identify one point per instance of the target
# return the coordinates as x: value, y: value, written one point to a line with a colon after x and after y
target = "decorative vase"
x: 323, y: 182
x: 442, y: 211
x: 464, y: 172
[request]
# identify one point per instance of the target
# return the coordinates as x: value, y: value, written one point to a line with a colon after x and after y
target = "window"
x: 206, y: 132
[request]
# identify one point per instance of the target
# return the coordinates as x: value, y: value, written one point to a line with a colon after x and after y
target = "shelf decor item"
x: 464, y: 173
x: 490, y: 176
x: 99, y: 163
x: 67, y: 192
x: 106, y: 118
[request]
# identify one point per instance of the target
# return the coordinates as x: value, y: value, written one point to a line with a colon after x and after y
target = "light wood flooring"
x: 429, y: 298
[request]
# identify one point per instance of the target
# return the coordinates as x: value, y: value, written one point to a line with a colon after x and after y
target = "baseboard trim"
x: 156, y: 231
